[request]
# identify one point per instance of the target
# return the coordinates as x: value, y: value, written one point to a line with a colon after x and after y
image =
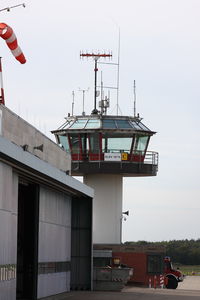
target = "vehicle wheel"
x: 172, y: 283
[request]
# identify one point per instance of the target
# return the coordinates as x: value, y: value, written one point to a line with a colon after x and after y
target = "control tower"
x: 104, y: 149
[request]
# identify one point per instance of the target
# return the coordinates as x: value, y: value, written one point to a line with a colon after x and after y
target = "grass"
x: 188, y: 270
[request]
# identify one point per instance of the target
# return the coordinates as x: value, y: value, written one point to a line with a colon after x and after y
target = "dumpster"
x: 110, y: 279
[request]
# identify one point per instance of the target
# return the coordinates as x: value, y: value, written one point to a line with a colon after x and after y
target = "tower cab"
x: 115, y: 143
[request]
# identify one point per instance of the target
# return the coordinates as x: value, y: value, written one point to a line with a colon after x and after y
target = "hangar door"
x: 81, y: 244
x: 27, y: 240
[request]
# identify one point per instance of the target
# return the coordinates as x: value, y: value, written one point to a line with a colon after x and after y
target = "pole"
x: 95, y: 87
x: 121, y: 218
x: 83, y: 91
x: 95, y: 57
x: 73, y: 95
x: 134, y: 89
x: 118, y: 74
x: 2, y: 99
x: 83, y: 113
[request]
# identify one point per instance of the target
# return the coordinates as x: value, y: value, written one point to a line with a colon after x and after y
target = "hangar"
x: 45, y: 216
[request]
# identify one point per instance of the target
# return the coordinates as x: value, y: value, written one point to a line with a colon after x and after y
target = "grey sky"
x: 160, y: 49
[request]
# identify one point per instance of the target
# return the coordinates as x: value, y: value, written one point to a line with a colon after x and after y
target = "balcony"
x: 116, y: 162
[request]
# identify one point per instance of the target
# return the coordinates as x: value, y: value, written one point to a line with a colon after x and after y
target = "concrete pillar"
x: 107, y: 207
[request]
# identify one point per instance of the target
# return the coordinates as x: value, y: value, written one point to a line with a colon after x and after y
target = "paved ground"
x: 190, y: 283
x: 138, y: 294
x: 187, y: 290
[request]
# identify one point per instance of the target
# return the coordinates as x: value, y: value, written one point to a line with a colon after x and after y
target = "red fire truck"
x: 173, y: 276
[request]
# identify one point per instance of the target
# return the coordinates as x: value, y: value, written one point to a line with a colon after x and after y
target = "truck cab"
x: 173, y: 276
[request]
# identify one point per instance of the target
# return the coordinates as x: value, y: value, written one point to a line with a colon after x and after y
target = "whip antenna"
x: 73, y: 96
x: 134, y: 91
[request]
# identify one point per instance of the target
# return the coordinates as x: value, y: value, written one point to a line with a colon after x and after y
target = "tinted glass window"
x: 141, y: 143
x: 109, y: 124
x: 121, y: 144
x: 136, y: 126
x: 123, y: 124
x: 75, y: 144
x: 79, y: 124
x: 94, y: 143
x: 63, y: 140
x: 154, y: 264
x: 93, y: 124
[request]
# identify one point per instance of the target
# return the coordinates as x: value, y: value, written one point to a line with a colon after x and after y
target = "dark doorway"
x: 27, y: 240
x: 81, y: 244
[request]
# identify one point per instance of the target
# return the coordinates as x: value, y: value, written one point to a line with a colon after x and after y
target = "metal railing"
x: 7, y: 272
x: 150, y: 157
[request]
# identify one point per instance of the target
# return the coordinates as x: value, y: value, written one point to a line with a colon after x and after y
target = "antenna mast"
x: 73, y: 96
x: 118, y: 74
x: 83, y: 91
x: 134, y: 91
x: 96, y: 57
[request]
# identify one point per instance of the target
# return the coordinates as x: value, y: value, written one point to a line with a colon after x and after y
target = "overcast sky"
x: 160, y: 49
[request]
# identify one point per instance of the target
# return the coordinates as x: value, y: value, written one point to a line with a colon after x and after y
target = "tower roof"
x: 104, y: 122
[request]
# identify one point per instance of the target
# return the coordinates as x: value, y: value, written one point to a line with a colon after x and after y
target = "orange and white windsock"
x: 9, y: 36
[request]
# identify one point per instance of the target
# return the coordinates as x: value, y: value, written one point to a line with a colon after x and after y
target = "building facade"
x: 45, y: 216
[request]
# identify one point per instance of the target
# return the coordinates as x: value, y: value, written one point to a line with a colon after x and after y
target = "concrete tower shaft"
x: 107, y: 207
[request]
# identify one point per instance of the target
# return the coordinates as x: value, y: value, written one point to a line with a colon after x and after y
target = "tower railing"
x: 118, y: 156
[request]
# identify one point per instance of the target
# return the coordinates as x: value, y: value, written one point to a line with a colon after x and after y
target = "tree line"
x: 186, y: 252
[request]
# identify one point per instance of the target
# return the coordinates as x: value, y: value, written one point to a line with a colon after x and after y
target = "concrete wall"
x: 54, y: 242
x: 8, y: 232
x: 22, y: 133
x: 107, y: 207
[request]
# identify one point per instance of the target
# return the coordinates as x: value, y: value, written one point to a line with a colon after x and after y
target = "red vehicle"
x: 174, y: 276
x: 147, y: 263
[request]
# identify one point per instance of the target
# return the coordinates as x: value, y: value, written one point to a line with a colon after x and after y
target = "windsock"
x: 8, y: 35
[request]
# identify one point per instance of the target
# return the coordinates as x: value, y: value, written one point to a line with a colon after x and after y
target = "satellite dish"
x: 97, y: 93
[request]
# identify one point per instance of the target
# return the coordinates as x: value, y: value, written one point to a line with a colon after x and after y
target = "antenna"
x: 118, y: 72
x: 73, y: 96
x: 96, y: 57
x: 104, y: 103
x: 11, y: 7
x: 118, y: 77
x: 134, y: 91
x: 83, y: 91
